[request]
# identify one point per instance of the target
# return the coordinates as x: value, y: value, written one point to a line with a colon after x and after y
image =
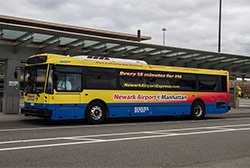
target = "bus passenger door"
x: 67, y: 96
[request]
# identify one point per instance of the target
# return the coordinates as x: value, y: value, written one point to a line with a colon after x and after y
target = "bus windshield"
x: 34, y: 79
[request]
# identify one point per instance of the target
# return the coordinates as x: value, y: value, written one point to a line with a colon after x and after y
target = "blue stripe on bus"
x: 120, y: 110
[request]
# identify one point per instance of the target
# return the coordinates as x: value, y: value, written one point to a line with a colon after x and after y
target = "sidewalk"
x: 239, y: 110
x: 5, y: 117
x: 245, y: 103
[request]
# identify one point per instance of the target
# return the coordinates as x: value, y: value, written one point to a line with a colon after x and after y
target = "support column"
x: 11, y: 88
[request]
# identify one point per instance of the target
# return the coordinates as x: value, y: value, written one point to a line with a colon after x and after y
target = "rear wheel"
x: 198, y: 110
x: 96, y: 113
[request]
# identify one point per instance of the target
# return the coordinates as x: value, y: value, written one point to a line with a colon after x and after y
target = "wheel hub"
x: 96, y: 112
x: 198, y: 110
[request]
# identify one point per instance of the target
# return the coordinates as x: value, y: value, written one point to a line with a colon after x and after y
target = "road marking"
x: 89, y: 139
x: 224, y: 127
x: 117, y: 125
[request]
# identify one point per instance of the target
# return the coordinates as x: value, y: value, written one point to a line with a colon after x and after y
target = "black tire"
x: 96, y: 113
x: 198, y: 110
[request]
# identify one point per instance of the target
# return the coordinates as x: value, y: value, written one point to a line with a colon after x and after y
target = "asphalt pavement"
x: 216, y: 141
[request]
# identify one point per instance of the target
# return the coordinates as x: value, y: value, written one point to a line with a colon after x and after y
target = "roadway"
x: 217, y: 141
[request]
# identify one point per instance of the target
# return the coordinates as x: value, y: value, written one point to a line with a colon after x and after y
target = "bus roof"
x: 67, y: 60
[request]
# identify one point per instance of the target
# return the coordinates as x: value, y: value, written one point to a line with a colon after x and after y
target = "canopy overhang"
x: 72, y: 40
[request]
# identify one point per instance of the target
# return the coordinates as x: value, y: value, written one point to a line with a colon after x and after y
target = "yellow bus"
x: 60, y: 87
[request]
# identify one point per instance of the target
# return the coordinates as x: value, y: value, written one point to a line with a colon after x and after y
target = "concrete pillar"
x: 234, y: 101
x: 11, y: 88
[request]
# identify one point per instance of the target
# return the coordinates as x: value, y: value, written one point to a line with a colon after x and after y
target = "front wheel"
x: 95, y: 113
x: 198, y: 110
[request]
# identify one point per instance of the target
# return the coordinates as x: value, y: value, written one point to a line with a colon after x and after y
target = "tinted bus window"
x: 148, y: 80
x: 187, y: 82
x: 100, y: 78
x: 223, y: 82
x: 132, y: 79
x: 207, y: 83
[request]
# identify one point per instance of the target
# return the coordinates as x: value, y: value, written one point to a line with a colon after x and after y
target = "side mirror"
x: 15, y: 74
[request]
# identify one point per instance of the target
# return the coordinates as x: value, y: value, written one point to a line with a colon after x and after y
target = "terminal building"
x: 21, y: 38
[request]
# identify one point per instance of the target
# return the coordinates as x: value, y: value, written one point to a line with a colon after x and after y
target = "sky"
x: 189, y: 23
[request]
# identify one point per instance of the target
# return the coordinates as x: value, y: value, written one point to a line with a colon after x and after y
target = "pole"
x: 139, y: 35
x: 219, y: 38
x: 163, y: 39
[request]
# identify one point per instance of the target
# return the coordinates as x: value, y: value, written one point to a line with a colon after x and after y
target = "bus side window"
x: 207, y: 83
x: 187, y: 82
x: 74, y: 80
x: 223, y: 83
x: 69, y: 82
x: 100, y: 78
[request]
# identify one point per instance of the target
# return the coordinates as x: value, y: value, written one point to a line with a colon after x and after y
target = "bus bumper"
x: 43, y: 113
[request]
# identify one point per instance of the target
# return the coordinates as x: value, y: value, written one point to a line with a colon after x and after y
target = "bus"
x: 58, y: 87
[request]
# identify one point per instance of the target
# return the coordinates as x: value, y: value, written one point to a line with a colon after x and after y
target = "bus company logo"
x: 143, y: 97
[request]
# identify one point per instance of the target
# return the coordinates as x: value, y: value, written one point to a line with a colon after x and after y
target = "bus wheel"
x: 95, y: 113
x: 197, y: 110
